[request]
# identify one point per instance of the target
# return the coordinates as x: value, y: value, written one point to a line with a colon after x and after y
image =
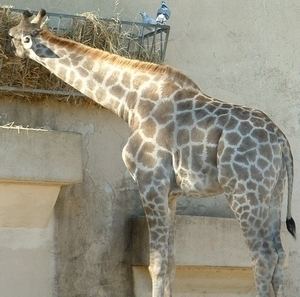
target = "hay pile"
x: 87, y: 29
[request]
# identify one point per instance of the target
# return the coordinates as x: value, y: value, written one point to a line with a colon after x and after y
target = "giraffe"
x: 182, y: 142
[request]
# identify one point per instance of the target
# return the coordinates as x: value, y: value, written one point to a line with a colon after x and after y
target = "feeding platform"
x: 130, y: 39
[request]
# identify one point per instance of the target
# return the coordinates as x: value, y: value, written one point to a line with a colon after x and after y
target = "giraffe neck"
x: 114, y: 82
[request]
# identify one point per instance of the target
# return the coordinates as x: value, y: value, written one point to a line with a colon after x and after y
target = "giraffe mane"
x: 95, y: 53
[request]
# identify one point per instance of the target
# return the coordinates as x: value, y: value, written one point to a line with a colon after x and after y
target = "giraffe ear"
x: 26, y: 14
x: 25, y: 17
x: 38, y: 19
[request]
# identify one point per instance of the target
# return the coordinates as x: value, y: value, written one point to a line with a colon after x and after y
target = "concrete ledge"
x: 201, y: 281
x: 212, y: 258
x: 200, y: 241
x: 35, y: 164
x: 32, y: 155
x: 26, y: 205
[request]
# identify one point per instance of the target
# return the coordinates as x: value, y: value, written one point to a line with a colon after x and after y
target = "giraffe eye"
x: 27, y: 42
x: 26, y: 39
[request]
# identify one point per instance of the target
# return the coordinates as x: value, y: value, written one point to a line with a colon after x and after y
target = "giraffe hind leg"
x: 256, y: 227
x: 171, y: 246
x: 278, y: 275
x: 276, y: 202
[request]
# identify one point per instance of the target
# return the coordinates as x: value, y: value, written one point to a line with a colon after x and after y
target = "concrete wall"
x: 240, y: 51
x: 35, y: 163
x: 91, y: 236
x: 27, y: 258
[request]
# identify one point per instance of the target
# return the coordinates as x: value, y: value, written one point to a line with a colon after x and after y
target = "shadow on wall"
x: 215, y: 206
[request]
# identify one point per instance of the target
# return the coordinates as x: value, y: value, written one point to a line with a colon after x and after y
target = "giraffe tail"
x: 288, y: 162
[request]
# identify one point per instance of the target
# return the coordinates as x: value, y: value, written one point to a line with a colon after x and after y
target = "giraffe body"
x: 182, y: 142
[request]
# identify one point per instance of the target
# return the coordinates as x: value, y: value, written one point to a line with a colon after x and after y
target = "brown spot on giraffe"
x: 131, y: 99
x: 65, y: 61
x: 112, y: 79
x: 168, y: 89
x: 197, y: 134
x: 82, y: 72
x: 233, y: 138
x: 185, y: 94
x: 150, y: 92
x: 88, y: 65
x: 149, y: 128
x: 214, y: 135
x: 117, y: 91
x: 164, y: 112
x: 78, y: 84
x: 165, y: 135
x: 91, y: 84
x: 145, y: 107
x: 139, y: 80
x: 184, y: 119
x: 183, y: 136
x: 98, y: 77
x: 185, y: 105
x: 126, y: 80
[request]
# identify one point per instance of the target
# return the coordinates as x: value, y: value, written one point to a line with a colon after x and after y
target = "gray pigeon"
x: 147, y: 19
x: 163, y: 13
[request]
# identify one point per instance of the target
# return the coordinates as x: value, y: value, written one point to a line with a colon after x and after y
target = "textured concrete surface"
x: 35, y: 163
x: 40, y: 156
x: 201, y: 281
x: 91, y: 218
x: 27, y: 258
x: 24, y: 205
x: 211, y: 256
x: 200, y: 241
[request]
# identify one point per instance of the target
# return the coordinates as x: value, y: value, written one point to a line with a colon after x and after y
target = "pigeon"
x: 147, y: 19
x: 161, y: 19
x: 163, y: 13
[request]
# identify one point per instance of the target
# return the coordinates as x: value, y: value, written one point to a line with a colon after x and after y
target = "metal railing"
x: 131, y: 39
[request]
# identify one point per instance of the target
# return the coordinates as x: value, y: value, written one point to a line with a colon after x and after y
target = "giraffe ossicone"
x: 182, y: 142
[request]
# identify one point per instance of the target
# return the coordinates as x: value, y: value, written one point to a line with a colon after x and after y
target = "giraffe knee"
x: 265, y: 263
x: 157, y: 270
x: 158, y: 265
x: 279, y: 248
x: 281, y: 256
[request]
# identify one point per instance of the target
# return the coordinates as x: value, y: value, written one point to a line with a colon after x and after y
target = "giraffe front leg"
x: 156, y: 210
x: 151, y: 168
x: 158, y: 261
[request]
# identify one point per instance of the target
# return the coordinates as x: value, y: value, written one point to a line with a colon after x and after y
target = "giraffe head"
x: 25, y: 35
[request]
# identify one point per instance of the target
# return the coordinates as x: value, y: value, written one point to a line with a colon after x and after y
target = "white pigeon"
x: 161, y: 19
x: 163, y: 13
x: 147, y: 19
